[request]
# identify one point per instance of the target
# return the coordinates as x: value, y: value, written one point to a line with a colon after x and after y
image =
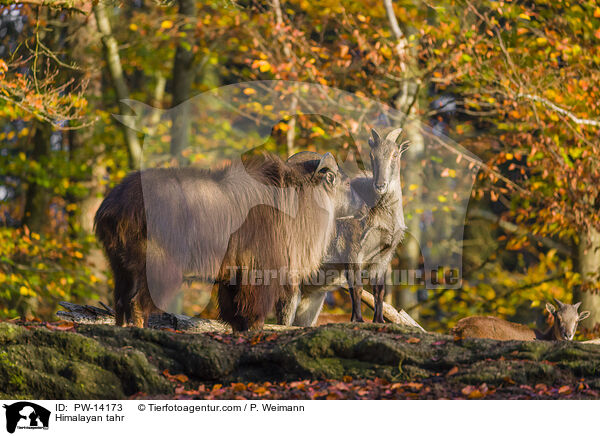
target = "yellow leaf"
x: 318, y: 130
x: 386, y: 51
x: 597, y: 13
x: 525, y: 17
x: 442, y: 198
x: 167, y: 24
x: 133, y: 27
x: 413, y: 187
x: 249, y: 91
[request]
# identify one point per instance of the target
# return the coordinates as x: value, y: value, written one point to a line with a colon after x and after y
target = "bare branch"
x: 560, y: 110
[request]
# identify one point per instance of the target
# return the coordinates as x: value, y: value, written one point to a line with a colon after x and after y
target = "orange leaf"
x: 413, y: 340
x: 416, y: 386
x: 565, y: 390
x: 181, y: 378
x: 238, y: 387
x: 63, y: 326
x: 476, y: 394
x: 452, y: 371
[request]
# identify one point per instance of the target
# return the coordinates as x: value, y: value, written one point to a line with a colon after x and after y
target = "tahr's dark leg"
x: 378, y: 296
x: 355, y: 289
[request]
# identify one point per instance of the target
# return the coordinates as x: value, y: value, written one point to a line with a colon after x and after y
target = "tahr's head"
x: 385, y: 160
x: 566, y: 319
x: 326, y: 173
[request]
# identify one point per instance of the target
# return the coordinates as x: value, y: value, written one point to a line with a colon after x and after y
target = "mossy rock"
x: 102, y: 361
x: 44, y: 364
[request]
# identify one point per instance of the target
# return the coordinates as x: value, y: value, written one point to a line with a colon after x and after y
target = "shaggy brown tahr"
x: 256, y: 217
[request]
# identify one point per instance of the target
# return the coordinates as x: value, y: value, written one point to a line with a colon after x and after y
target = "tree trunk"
x: 38, y: 196
x: 407, y: 102
x: 410, y: 251
x: 113, y: 62
x: 183, y: 78
x: 589, y: 268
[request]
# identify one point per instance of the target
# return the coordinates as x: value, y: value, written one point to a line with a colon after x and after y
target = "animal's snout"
x: 380, y: 188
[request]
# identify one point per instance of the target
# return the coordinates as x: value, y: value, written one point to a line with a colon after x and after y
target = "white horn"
x: 393, y: 135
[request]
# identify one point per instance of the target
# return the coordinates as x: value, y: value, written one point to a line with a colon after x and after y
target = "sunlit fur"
x: 366, y: 243
x: 566, y: 320
x: 258, y: 213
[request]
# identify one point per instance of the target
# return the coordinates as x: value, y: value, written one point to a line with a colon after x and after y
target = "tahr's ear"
x: 583, y: 315
x: 550, y: 308
x: 327, y: 165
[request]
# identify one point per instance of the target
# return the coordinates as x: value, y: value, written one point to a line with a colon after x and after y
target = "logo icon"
x: 26, y: 415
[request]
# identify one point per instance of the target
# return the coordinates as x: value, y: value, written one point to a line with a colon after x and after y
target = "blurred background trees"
x: 516, y: 83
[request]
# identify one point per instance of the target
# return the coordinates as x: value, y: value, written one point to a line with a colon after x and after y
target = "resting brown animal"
x: 564, y: 327
x: 259, y: 214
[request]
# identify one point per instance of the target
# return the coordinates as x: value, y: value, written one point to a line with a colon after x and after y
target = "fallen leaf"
x: 476, y: 394
x: 565, y: 390
x: 181, y: 378
x: 413, y: 340
x: 467, y: 390
x: 238, y: 387
x: 452, y: 371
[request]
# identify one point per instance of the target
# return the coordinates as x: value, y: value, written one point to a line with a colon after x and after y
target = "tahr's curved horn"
x: 327, y: 162
x: 393, y: 135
